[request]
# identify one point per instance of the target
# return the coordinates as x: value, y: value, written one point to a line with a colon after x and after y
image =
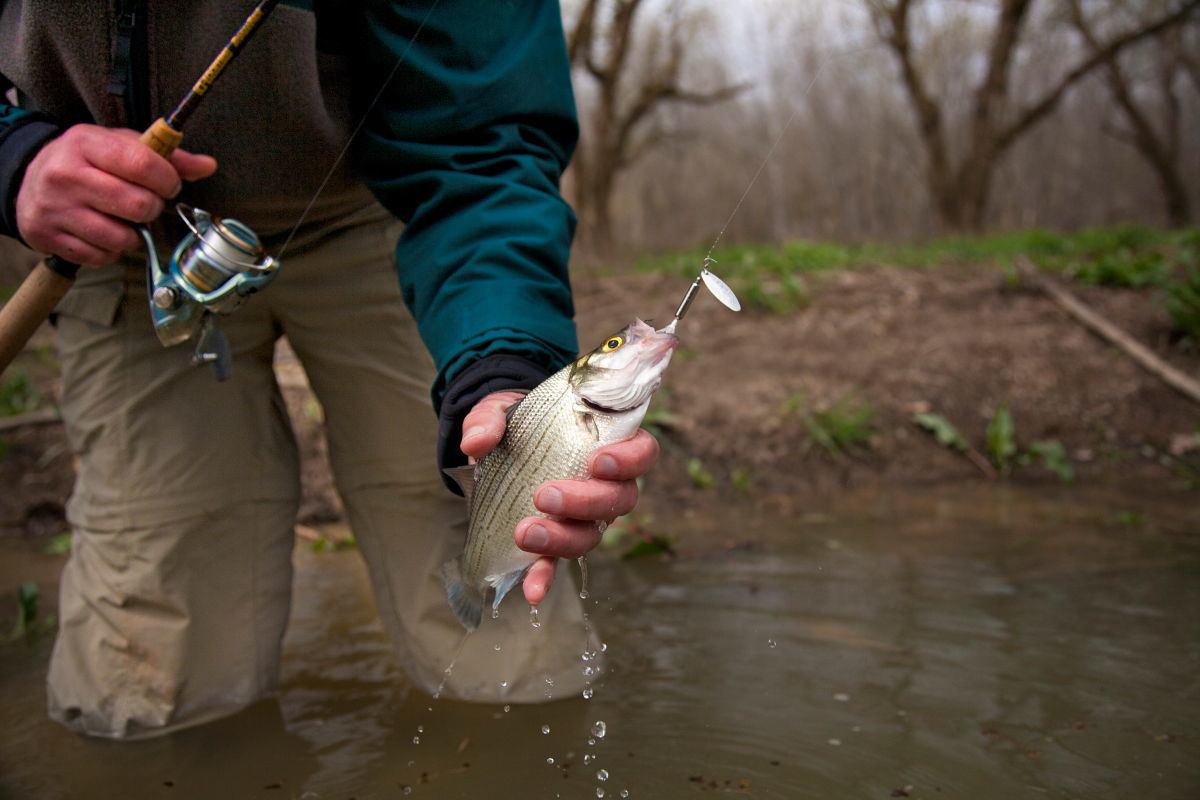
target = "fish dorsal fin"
x: 464, y: 476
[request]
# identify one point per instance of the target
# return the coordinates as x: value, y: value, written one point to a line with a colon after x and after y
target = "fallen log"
x: 1141, y: 354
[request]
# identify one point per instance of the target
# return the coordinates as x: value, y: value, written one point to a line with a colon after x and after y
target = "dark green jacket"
x: 466, y: 142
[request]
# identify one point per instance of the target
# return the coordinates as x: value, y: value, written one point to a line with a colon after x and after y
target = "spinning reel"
x: 215, y: 267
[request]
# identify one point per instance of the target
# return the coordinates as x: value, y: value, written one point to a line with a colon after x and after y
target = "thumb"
x: 193, y: 166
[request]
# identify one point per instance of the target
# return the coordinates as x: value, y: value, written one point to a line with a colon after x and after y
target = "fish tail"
x: 503, y: 583
x: 465, y: 600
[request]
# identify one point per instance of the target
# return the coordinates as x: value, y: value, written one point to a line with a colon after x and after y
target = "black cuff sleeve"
x: 495, y: 373
x: 19, y: 143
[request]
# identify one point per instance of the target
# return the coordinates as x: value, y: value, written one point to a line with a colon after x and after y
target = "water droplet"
x: 412, y: 763
x: 550, y: 761
x: 589, y: 672
x: 591, y: 742
x: 496, y: 612
x: 587, y: 693
x: 835, y: 742
x: 549, y: 681
x: 599, y: 792
x: 416, y: 740
x: 588, y: 758
x: 585, y: 656
x: 407, y: 790
x: 583, y: 577
x: 842, y: 697
x: 599, y: 729
x: 602, y: 775
x: 624, y: 793
x: 545, y: 729
x: 771, y: 643
x: 503, y: 684
x: 604, y: 647
x: 420, y: 729
x: 533, y: 617
x: 496, y: 647
x: 507, y: 708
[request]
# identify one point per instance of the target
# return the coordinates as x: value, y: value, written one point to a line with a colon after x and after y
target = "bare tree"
x: 632, y: 81
x: 959, y: 186
x: 1158, y: 144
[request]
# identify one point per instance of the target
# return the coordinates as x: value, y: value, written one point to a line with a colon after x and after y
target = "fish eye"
x: 612, y: 344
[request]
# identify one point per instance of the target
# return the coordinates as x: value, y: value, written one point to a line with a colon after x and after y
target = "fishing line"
x: 775, y: 144
x: 358, y: 128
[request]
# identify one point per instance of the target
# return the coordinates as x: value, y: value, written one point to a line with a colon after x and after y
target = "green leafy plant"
x: 1129, y: 518
x: 1123, y: 268
x: 659, y: 420
x: 741, y: 480
x: 1002, y: 440
x: 701, y: 477
x: 324, y: 545
x: 18, y: 395
x: 1053, y: 457
x: 1183, y: 303
x: 27, y: 622
x: 838, y: 427
x: 58, y: 545
x: 945, y: 433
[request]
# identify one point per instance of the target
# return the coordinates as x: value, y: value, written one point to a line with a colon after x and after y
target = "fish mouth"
x: 664, y: 344
x: 604, y: 409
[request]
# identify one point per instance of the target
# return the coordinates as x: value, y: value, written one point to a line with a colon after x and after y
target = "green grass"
x: 837, y: 428
x: 771, y: 277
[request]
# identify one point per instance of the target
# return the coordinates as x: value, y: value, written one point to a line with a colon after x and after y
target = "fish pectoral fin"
x: 586, y: 421
x: 464, y: 476
x: 505, y: 582
x: 466, y: 601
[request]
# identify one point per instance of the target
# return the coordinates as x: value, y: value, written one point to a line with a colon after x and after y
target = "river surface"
x: 989, y: 642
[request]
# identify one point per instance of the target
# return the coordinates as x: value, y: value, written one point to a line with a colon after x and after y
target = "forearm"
x: 467, y: 145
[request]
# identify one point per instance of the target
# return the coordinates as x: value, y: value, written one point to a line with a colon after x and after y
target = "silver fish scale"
x: 544, y: 440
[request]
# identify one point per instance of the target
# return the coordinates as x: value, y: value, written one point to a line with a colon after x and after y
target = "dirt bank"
x: 958, y: 341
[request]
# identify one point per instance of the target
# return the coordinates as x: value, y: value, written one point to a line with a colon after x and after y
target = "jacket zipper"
x: 129, y: 78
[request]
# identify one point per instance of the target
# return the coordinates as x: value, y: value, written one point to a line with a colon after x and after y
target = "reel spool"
x: 213, y: 270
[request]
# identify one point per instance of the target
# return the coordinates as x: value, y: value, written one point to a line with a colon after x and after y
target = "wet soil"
x: 957, y: 340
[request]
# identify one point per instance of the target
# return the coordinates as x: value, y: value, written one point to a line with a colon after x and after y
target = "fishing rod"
x: 220, y: 261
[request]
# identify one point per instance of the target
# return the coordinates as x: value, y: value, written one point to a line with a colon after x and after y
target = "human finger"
x: 483, y: 427
x: 538, y: 579
x: 625, y: 460
x: 586, y: 500
x: 566, y: 538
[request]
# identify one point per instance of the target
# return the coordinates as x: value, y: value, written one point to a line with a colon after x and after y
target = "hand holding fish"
x: 576, y: 505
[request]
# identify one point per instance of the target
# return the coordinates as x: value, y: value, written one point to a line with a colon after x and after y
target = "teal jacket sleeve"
x: 22, y: 134
x: 466, y: 144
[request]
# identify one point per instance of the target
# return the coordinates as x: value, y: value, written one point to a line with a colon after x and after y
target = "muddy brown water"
x: 957, y: 643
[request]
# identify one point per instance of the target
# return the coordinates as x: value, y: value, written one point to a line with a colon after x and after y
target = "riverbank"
x: 833, y: 378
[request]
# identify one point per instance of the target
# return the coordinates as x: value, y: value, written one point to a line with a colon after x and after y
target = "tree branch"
x: 1043, y: 107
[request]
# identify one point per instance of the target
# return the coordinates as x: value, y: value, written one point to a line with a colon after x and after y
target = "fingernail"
x: 536, y: 538
x: 605, y: 466
x: 550, y: 500
x: 175, y: 192
x: 474, y: 430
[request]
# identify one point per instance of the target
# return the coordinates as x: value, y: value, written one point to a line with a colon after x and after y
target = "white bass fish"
x: 598, y: 400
